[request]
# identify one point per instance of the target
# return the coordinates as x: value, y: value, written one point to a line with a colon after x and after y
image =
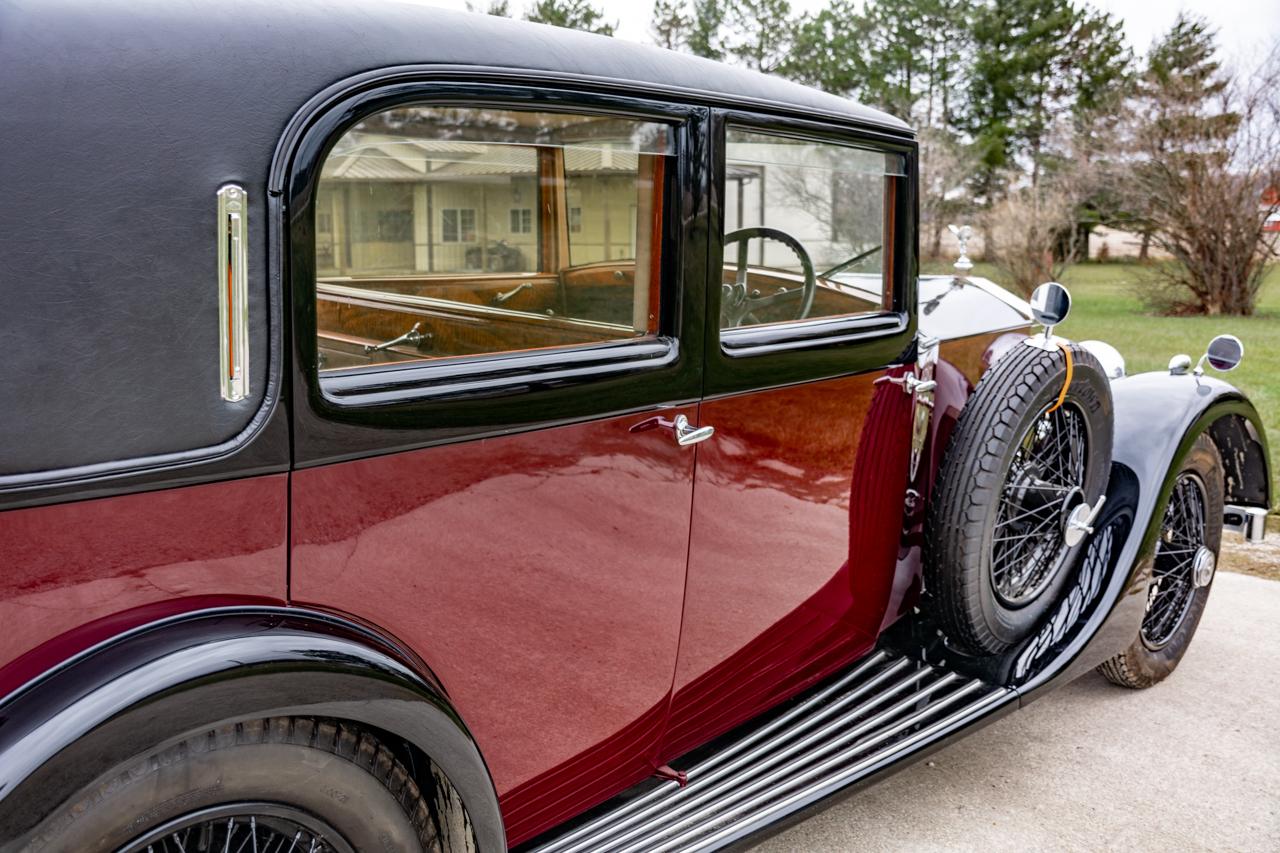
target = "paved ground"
x: 1191, y: 764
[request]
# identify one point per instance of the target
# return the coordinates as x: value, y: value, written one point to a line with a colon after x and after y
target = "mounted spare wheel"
x: 1022, y: 478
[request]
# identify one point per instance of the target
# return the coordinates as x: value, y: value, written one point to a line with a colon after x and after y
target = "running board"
x: 882, y: 711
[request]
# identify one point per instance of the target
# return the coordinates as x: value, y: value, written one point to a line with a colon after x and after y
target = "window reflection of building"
x: 401, y: 206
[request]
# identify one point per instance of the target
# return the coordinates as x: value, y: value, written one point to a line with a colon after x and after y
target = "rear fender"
x: 164, y: 682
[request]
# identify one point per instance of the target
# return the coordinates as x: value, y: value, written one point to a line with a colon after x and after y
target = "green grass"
x: 1105, y: 307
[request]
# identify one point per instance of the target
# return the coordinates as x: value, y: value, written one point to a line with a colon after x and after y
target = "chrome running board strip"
x: 882, y: 710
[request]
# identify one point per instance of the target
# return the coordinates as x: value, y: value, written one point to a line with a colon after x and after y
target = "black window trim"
x: 361, y: 412
x: 494, y: 373
x: 758, y: 357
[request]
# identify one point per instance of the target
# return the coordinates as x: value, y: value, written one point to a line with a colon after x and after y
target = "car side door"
x: 498, y: 325
x: 798, y: 503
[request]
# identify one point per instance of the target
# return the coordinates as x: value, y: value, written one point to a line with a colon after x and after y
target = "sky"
x: 1246, y: 27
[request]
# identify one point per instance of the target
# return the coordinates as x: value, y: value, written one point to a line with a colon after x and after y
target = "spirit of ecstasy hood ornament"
x: 963, y: 265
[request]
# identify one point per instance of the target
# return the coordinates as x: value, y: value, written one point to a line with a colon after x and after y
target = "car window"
x: 447, y: 231
x: 808, y: 228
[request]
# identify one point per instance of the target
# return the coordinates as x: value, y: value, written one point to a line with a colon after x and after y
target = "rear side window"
x: 809, y: 228
x: 444, y: 232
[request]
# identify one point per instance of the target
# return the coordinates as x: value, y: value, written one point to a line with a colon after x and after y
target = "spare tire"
x: 1023, y: 456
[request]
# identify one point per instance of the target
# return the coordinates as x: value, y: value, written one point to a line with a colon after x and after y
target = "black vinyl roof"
x: 281, y: 51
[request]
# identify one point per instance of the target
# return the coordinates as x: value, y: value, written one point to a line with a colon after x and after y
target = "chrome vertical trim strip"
x: 233, y: 292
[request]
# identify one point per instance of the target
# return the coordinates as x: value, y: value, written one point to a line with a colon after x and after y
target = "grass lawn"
x: 1105, y: 307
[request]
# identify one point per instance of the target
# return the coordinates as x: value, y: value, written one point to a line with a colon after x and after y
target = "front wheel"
x: 1182, y: 571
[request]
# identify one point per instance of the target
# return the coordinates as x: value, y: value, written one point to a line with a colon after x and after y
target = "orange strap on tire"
x: 1066, y: 383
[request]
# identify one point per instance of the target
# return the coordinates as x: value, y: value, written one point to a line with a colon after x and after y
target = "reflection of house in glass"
x: 391, y: 205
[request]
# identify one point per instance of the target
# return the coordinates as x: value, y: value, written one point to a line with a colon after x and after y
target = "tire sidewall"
x: 127, y: 803
x: 1090, y: 392
x: 1153, y: 665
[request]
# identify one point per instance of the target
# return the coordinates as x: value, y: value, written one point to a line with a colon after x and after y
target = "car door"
x: 498, y: 324
x: 798, y: 503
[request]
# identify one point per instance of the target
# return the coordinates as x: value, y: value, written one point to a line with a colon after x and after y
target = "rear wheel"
x: 283, y: 783
x: 1182, y: 571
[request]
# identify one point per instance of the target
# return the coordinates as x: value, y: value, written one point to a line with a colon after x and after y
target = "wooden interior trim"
x: 889, y: 241
x: 646, y: 246
x: 470, y: 312
x: 656, y: 220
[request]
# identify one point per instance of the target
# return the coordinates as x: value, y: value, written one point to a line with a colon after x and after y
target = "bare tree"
x: 1027, y: 229
x: 945, y: 167
x: 1209, y: 149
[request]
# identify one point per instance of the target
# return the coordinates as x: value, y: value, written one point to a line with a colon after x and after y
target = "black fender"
x: 162, y: 682
x: 1158, y: 417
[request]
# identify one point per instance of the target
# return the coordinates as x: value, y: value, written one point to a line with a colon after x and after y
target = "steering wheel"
x: 737, y: 302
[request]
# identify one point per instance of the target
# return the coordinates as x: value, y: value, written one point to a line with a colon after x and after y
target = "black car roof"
x: 281, y: 49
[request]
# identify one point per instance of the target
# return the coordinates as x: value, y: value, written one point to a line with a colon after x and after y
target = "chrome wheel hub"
x: 1203, y: 566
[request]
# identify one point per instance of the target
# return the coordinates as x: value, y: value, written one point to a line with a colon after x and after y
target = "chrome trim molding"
x: 885, y: 708
x: 1249, y: 521
x: 233, y: 292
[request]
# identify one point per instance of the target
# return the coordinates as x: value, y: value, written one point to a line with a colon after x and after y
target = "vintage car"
x: 430, y: 431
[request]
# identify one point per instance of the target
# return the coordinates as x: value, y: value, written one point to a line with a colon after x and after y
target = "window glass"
x: 808, y: 229
x: 455, y: 231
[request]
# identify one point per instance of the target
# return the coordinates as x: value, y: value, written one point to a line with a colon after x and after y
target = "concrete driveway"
x: 1190, y: 764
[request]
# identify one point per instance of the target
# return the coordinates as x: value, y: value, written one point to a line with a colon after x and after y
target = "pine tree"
x: 571, y: 14
x: 1205, y: 148
x: 706, y: 30
x: 670, y: 24
x: 500, y: 8
x: 762, y: 33
x: 828, y: 50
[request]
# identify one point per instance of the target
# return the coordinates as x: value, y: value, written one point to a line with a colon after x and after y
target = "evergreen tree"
x: 670, y: 24
x: 706, y: 30
x: 500, y: 8
x: 1204, y: 147
x: 917, y: 53
x: 1036, y: 61
x: 571, y: 14
x: 829, y: 50
x: 762, y: 33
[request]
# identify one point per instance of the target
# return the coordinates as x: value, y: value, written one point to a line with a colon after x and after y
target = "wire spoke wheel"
x: 1173, y: 585
x: 242, y: 828
x: 1045, y: 481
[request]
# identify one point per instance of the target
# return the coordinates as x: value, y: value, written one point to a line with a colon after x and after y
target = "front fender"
x: 161, y: 683
x: 1158, y: 417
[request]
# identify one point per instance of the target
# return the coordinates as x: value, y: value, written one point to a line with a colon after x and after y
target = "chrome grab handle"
x: 413, y: 336
x: 233, y: 292
x: 687, y: 434
x: 503, y: 298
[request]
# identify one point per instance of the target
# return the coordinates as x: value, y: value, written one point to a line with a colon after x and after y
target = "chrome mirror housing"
x: 1050, y: 304
x: 1224, y: 353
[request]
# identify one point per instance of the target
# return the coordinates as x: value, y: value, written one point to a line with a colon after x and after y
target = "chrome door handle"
x: 413, y: 336
x: 686, y: 434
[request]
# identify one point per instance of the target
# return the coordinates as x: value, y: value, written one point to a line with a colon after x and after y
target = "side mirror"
x: 1224, y: 353
x: 1050, y: 305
